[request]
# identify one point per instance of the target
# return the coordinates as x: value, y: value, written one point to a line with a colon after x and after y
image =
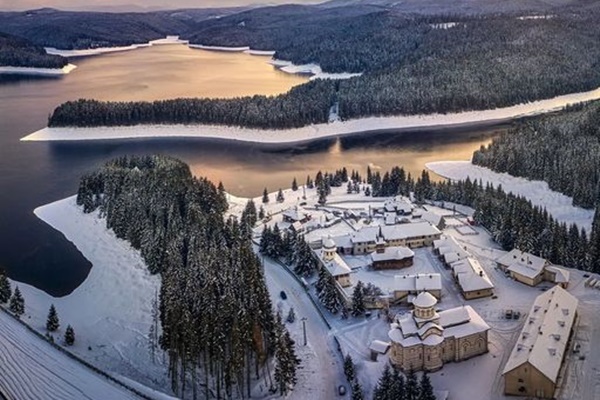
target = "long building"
x: 531, y: 270
x: 535, y: 362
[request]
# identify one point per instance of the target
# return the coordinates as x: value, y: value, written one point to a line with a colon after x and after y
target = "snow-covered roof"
x: 471, y: 276
x: 425, y: 300
x: 433, y: 218
x: 295, y: 214
x: 543, y: 340
x: 561, y: 275
x: 456, y: 322
x: 337, y: 266
x: 398, y: 203
x: 390, y: 218
x: 379, y: 346
x: 406, y: 231
x: 418, y: 282
x: 522, y: 263
x: 343, y: 241
x: 365, y: 234
x: 392, y: 253
x: 328, y: 243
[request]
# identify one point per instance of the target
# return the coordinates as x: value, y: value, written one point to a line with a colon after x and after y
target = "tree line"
x: 410, y: 67
x: 17, y: 52
x: 216, y: 318
x: 562, y: 149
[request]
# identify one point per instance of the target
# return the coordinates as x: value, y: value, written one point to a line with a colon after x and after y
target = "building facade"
x: 426, y: 339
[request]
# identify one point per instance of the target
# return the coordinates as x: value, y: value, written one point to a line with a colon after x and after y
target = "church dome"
x: 425, y: 300
x: 329, y: 243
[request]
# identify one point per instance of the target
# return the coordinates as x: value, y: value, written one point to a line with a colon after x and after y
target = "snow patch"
x: 220, y: 48
x: 104, y: 50
x: 310, y: 69
x: 48, y: 72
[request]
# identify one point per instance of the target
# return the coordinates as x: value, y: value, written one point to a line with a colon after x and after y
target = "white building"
x: 472, y: 279
x: 531, y: 270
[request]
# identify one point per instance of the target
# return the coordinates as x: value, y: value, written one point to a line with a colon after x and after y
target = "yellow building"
x: 535, y: 362
x: 426, y: 339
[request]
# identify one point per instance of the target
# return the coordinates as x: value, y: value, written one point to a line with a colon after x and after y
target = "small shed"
x: 378, y: 347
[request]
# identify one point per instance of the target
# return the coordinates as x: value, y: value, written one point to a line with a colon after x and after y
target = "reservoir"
x: 37, y: 173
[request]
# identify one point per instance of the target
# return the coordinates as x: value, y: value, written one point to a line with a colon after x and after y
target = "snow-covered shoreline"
x: 105, y: 50
x: 240, y: 49
x: 314, y: 70
x: 558, y: 205
x: 47, y: 72
x: 316, y: 131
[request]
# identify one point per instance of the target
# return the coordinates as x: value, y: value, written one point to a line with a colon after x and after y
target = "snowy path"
x: 321, y: 369
x: 31, y: 368
x: 560, y: 206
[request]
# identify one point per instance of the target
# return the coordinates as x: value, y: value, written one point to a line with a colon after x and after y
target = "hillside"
x: 16, y: 52
x: 31, y: 368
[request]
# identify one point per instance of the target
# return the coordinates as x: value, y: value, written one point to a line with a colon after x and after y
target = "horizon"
x: 138, y: 5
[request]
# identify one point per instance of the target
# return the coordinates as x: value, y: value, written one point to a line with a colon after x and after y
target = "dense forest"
x: 80, y: 30
x: 410, y: 65
x: 218, y: 326
x: 563, y: 150
x: 16, y: 52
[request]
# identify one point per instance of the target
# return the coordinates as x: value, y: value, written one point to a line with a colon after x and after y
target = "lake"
x: 33, y: 174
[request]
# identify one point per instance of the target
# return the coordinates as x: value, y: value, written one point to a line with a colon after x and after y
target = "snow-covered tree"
x: 280, y: 197
x: 265, y: 197
x: 384, y: 386
x: 69, y: 336
x: 52, y: 323
x: 5, y: 290
x: 358, y: 300
x: 411, y: 388
x: 294, y: 185
x: 349, y: 369
x: 426, y: 390
x: 17, y: 303
x: 357, y: 392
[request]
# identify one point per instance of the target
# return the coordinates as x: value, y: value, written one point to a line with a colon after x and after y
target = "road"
x: 321, y: 370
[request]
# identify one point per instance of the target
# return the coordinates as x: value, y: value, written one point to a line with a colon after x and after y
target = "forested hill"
x: 562, y: 149
x: 81, y: 30
x: 215, y: 312
x: 411, y: 65
x: 16, y: 52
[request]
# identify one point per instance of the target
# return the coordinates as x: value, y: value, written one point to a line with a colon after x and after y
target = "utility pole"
x: 304, y: 328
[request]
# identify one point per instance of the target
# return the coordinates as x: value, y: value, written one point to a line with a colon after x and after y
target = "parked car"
x: 282, y: 295
x: 341, y: 390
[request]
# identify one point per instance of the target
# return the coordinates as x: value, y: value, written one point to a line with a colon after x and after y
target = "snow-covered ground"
x: 104, y: 50
x: 560, y: 206
x: 31, y: 369
x: 240, y: 49
x: 310, y: 69
x: 46, y: 72
x: 316, y: 131
x: 111, y: 310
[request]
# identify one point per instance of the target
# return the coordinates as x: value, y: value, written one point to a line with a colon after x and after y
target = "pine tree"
x: 426, y: 390
x: 153, y: 334
x: 265, y: 198
x: 261, y: 213
x: 294, y: 185
x: 69, y: 336
x: 52, y: 323
x: 397, y: 386
x: 329, y: 295
x: 280, y: 197
x: 286, y: 361
x: 17, y: 303
x: 5, y: 290
x: 357, y: 393
x: 384, y: 386
x: 412, y: 386
x: 358, y: 301
x: 349, y: 369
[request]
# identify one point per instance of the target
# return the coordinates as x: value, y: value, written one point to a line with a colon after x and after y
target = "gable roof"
x: 522, y: 263
x: 471, y: 276
x: 543, y: 340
